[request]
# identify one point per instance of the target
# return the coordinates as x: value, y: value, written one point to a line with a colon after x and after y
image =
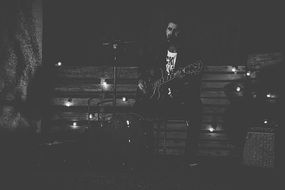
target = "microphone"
x: 117, y: 42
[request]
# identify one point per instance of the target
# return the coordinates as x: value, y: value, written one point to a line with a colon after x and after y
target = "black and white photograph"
x: 141, y: 95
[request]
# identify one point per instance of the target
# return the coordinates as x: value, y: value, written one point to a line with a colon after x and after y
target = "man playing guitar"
x: 170, y: 86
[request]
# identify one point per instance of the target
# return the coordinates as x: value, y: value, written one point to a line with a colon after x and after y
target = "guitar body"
x: 159, y: 89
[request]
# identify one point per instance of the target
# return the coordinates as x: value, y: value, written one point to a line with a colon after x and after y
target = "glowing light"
x: 234, y: 69
x: 211, y: 129
x: 74, y: 125
x: 265, y: 121
x: 253, y: 94
x: 128, y: 122
x: 68, y: 102
x: 58, y: 64
x: 238, y: 89
x: 129, y: 140
x: 124, y: 99
x: 268, y: 95
x: 104, y: 84
x: 273, y: 96
x: 248, y: 73
x: 90, y: 116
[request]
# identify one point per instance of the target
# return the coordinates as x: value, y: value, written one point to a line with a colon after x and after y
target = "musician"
x: 179, y: 98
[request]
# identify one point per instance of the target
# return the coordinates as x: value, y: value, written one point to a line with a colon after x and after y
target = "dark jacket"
x: 185, y: 91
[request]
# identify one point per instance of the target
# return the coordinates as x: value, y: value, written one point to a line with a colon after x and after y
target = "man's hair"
x: 176, y: 19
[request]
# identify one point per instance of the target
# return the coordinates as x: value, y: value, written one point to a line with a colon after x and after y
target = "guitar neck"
x: 176, y: 74
x: 194, y: 69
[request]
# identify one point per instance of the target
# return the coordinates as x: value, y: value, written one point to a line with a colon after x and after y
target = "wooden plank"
x: 213, y: 153
x: 56, y: 128
x: 223, y: 69
x: 213, y: 136
x: 79, y: 94
x: 123, y: 72
x: 265, y: 56
x: 215, y: 145
x: 206, y: 85
x: 170, y: 130
x: 94, y: 102
x: 82, y: 117
x: 261, y: 56
x: 218, y: 127
x: 92, y: 110
x: 264, y: 64
x: 171, y: 151
x: 77, y: 81
x: 66, y: 121
x: 262, y: 60
x: 214, y: 109
x: 94, y: 72
x: 180, y: 125
x: 66, y: 118
x: 222, y: 77
x: 213, y: 94
x: 210, y: 119
x: 171, y: 135
x: 69, y: 116
x: 85, y: 87
x: 129, y: 90
x: 172, y: 143
x: 215, y: 101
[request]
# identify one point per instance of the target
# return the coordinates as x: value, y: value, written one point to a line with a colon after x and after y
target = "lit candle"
x: 68, y: 102
x: 58, y: 64
x: 234, y: 69
x: 104, y: 84
x: 74, y: 125
x: 238, y: 89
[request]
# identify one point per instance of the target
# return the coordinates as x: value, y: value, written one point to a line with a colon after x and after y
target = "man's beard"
x: 173, y: 41
x: 170, y: 39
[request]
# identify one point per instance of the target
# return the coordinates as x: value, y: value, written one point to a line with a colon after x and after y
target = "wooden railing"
x: 74, y: 86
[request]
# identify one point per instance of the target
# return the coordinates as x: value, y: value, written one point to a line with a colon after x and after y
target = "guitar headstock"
x: 194, y: 68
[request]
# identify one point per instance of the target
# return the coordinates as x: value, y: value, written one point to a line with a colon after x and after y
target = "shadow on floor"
x: 160, y: 173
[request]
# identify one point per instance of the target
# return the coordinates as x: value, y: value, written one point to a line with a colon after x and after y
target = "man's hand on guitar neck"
x: 142, y: 85
x: 179, y: 74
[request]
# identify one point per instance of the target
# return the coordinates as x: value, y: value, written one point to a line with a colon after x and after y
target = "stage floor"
x: 161, y: 174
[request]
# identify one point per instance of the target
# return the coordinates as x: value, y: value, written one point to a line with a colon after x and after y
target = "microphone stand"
x: 115, y: 48
x: 115, y: 44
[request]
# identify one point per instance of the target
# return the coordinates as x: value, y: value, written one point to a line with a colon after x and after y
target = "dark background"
x: 225, y: 33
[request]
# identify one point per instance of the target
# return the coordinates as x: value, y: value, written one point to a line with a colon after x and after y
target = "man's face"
x: 172, y: 31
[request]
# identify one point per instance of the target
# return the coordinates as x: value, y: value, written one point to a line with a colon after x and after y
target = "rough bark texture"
x: 20, y: 59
